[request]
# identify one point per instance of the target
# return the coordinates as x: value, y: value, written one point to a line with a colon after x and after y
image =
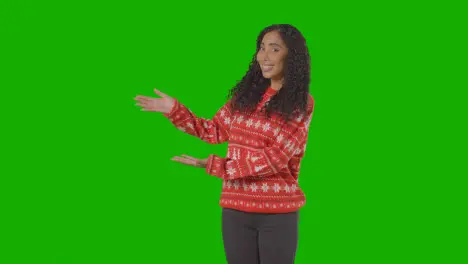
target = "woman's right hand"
x: 163, y: 104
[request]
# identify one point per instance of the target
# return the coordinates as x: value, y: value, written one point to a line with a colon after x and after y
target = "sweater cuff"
x: 215, y: 166
x: 173, y: 110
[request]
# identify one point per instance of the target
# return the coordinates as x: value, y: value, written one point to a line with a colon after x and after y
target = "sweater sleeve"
x: 214, y: 131
x: 268, y: 161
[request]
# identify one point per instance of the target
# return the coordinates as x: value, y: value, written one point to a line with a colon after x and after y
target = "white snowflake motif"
x: 281, y: 204
x: 274, y: 206
x: 267, y: 205
x: 257, y: 124
x: 253, y: 187
x: 181, y: 128
x: 294, y: 188
x: 240, y: 119
x: 235, y: 203
x: 227, y: 120
x: 288, y: 206
x: 190, y: 125
x: 247, y: 205
x: 288, y: 143
x: 286, y: 188
x: 231, y: 171
x: 229, y: 184
x: 266, y: 127
x: 277, y: 130
x: 298, y: 151
x: 246, y: 187
x: 259, y: 168
x: 254, y: 159
x: 276, y: 187
x: 279, y: 138
x: 236, y: 185
x: 265, y: 187
x: 222, y: 113
x: 249, y: 123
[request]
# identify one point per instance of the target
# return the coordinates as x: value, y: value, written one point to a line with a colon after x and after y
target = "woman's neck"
x: 276, y: 84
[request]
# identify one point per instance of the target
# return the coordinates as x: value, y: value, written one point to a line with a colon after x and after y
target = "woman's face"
x: 271, y: 56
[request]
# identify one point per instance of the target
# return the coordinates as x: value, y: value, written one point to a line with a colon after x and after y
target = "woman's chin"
x: 266, y: 75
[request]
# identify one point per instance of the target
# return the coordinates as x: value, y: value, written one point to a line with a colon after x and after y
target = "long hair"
x: 293, y: 97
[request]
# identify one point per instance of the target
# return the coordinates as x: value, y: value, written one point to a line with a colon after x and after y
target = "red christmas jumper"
x: 261, y: 169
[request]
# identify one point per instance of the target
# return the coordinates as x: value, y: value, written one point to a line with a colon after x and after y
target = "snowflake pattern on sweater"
x: 260, y: 171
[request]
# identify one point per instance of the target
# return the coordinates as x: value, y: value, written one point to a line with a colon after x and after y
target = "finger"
x: 159, y: 93
x: 189, y: 157
x: 149, y: 109
x: 184, y: 161
x: 142, y: 104
x: 179, y: 159
x: 190, y: 161
x: 143, y: 100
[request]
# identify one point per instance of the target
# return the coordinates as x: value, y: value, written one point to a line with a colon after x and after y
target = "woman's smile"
x: 267, y: 68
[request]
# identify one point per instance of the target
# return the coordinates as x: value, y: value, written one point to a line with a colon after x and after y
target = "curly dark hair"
x: 293, y: 97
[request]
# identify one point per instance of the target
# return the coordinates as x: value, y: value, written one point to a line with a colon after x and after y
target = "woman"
x: 266, y: 126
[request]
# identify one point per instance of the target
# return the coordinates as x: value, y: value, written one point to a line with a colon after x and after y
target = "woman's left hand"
x: 187, y: 160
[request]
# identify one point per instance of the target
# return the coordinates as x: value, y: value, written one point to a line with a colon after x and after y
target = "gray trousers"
x: 259, y: 238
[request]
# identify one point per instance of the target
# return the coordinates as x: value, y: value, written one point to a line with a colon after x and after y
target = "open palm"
x: 163, y: 104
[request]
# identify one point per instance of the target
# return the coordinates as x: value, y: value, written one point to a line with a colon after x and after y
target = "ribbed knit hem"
x: 253, y: 206
x: 214, y: 165
x: 173, y: 110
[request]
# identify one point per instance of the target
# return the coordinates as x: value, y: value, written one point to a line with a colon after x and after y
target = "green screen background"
x: 86, y: 177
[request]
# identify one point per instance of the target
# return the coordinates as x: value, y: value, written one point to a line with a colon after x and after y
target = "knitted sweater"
x: 260, y: 171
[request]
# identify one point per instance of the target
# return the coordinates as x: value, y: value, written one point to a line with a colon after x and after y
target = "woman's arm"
x: 214, y: 131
